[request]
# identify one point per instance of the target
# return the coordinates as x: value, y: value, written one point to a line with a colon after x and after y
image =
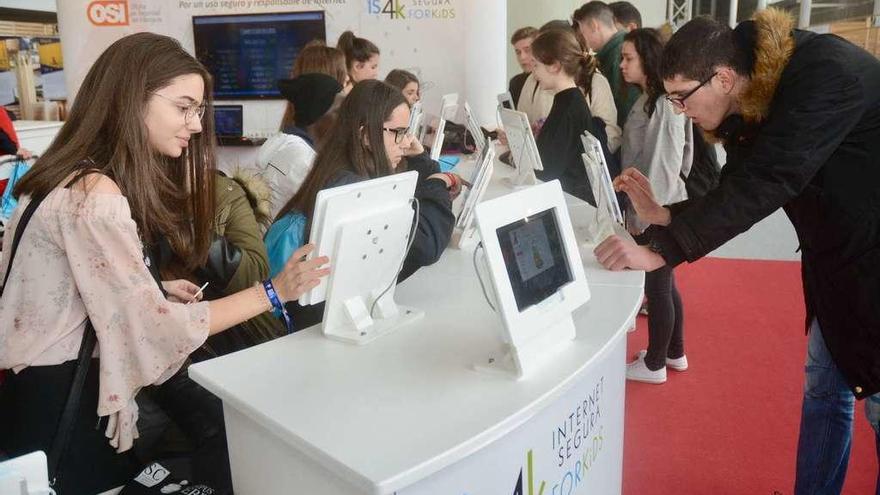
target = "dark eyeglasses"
x: 399, y: 133
x: 678, y: 101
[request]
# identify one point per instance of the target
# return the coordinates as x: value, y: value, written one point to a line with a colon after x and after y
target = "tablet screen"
x: 535, y: 258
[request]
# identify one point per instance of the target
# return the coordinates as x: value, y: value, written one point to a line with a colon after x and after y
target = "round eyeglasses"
x: 189, y: 110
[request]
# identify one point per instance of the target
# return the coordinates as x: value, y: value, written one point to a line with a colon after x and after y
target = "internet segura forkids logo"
x: 576, y: 445
x: 108, y: 12
x: 413, y: 9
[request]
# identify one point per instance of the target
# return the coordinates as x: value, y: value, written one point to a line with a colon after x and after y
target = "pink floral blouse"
x: 80, y: 257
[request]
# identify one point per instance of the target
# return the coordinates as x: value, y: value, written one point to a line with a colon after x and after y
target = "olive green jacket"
x: 242, y: 203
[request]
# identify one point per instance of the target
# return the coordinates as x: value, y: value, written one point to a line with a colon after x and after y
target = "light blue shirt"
x: 284, y: 237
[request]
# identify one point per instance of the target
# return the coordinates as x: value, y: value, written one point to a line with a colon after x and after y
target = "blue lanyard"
x: 276, y: 304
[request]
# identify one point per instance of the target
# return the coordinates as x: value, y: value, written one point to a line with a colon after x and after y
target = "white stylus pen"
x: 198, y: 293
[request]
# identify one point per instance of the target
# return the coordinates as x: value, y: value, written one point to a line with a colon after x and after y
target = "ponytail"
x: 563, y: 46
x: 346, y: 41
x: 588, y: 67
x: 356, y: 49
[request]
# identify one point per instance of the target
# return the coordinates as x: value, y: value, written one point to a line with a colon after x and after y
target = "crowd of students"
x: 125, y: 218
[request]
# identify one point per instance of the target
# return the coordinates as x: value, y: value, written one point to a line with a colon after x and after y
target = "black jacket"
x: 808, y: 140
x: 515, y: 86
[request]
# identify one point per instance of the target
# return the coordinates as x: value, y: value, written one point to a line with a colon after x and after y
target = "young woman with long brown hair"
x: 368, y: 141
x: 658, y: 142
x: 133, y: 164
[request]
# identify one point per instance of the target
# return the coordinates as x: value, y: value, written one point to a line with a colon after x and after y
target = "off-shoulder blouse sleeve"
x: 143, y: 338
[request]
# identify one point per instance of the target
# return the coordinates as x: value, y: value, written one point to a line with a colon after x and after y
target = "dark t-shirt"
x: 559, y: 143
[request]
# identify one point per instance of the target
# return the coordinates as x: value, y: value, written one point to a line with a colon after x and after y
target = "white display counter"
x: 407, y: 413
x: 36, y: 135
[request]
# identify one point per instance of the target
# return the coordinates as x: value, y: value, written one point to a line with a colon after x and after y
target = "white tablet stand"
x: 474, y: 128
x: 448, y: 107
x: 415, y: 119
x: 523, y: 148
x: 365, y: 228
x: 506, y: 101
x: 533, y: 263
x: 465, y: 228
x: 607, y: 207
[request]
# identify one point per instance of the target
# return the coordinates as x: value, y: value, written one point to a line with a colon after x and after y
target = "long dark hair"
x: 168, y: 197
x: 561, y: 45
x: 362, y: 116
x: 649, y: 47
x: 356, y: 49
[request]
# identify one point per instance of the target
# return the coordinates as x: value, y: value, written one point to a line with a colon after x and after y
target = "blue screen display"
x: 248, y: 54
x: 228, y: 120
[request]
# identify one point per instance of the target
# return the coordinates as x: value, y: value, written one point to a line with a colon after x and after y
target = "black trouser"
x: 199, y: 415
x: 665, y: 318
x: 31, y: 403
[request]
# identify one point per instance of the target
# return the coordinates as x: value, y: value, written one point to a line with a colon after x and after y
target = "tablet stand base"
x: 522, y: 360
x: 360, y: 304
x: 463, y: 239
x: 520, y: 181
x: 363, y: 329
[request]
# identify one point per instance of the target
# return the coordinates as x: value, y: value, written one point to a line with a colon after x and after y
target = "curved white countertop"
x: 409, y: 404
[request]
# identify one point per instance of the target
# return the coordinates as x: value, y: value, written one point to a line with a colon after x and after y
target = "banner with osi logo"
x: 108, y: 12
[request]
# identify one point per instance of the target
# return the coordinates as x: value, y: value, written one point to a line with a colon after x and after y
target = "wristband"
x: 278, y: 307
x: 453, y: 179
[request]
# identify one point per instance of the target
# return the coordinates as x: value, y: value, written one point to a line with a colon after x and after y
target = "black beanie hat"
x: 312, y: 96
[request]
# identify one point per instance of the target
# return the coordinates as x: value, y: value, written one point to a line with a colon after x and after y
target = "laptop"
x: 229, y: 127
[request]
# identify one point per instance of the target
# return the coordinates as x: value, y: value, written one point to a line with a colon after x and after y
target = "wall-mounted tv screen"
x: 248, y: 54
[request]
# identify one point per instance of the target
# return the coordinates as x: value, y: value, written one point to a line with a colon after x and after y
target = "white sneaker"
x: 680, y: 364
x: 639, y: 372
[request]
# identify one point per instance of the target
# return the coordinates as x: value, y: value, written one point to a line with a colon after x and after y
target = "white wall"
x: 535, y: 13
x: 439, y: 43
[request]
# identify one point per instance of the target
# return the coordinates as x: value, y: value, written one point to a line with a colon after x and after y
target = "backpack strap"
x: 19, y: 231
x: 71, y: 405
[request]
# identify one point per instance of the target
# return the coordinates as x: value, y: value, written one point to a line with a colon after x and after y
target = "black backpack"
x: 705, y: 171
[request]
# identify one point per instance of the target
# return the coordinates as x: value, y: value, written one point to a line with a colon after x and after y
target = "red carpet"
x: 729, y: 425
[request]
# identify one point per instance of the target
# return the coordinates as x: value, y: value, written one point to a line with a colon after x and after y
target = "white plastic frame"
x: 473, y: 126
x: 505, y: 97
x: 448, y: 107
x: 595, y: 165
x: 523, y: 148
x: 480, y: 178
x: 364, y: 228
x: 539, y: 331
x: 415, y: 119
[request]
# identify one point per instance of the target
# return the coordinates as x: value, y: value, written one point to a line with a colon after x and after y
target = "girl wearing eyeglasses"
x: 658, y: 142
x: 132, y: 165
x: 367, y: 141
